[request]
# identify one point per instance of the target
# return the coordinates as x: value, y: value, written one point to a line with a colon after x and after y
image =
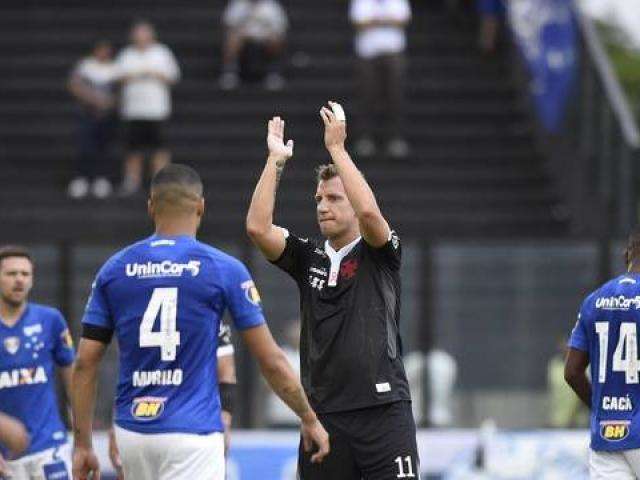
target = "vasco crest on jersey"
x: 349, y: 269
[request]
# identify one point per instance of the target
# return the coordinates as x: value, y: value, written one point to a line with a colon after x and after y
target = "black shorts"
x: 377, y: 443
x: 145, y: 135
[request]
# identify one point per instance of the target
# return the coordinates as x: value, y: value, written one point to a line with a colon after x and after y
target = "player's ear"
x: 150, y: 208
x: 200, y: 208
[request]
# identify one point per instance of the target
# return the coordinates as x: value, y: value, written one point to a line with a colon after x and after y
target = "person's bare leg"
x: 489, y: 28
x: 233, y: 45
x: 160, y: 159
x: 132, y: 173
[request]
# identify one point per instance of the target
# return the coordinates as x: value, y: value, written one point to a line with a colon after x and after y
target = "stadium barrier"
x: 444, y: 455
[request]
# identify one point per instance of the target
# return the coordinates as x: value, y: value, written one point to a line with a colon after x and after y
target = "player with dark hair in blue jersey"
x: 606, y: 336
x: 164, y: 298
x: 34, y: 340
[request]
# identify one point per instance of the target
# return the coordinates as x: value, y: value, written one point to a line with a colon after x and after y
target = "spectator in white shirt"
x: 380, y: 45
x: 147, y: 70
x: 92, y: 83
x: 255, y: 32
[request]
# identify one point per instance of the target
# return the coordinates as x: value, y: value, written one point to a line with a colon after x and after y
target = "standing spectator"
x: 92, y: 84
x: 254, y: 43
x: 147, y: 70
x: 380, y: 45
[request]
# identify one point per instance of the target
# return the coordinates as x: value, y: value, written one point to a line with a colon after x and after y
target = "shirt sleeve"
x: 63, y: 352
x: 402, y: 11
x: 295, y: 257
x: 171, y: 67
x: 242, y: 297
x: 390, y: 254
x: 97, y: 312
x: 579, y: 338
x: 359, y: 12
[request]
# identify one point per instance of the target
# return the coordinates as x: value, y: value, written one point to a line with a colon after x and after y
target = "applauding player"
x: 351, y: 355
x: 164, y: 298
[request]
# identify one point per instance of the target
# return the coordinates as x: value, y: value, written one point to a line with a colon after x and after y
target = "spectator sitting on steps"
x: 254, y: 42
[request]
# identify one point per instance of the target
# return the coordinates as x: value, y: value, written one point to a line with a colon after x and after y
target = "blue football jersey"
x: 29, y: 352
x: 164, y: 298
x: 607, y: 329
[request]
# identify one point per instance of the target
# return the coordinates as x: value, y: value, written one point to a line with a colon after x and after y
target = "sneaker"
x: 274, y: 82
x: 229, y: 81
x: 101, y: 188
x: 398, y: 148
x: 366, y: 147
x: 78, y: 188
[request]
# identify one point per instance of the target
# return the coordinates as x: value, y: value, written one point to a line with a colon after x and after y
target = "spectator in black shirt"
x: 351, y: 352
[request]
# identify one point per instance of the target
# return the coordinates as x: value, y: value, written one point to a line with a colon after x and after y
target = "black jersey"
x: 350, y: 348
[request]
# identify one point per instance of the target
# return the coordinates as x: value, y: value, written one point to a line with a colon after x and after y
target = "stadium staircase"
x: 473, y: 171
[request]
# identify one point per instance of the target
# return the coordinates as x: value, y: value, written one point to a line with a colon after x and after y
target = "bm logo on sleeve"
x: 147, y: 408
x: 614, y: 431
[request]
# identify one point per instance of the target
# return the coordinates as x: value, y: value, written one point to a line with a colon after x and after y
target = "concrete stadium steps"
x: 473, y: 170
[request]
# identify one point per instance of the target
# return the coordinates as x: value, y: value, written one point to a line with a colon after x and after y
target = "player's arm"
x: 575, y: 374
x: 66, y: 375
x: 227, y: 384
x: 83, y: 400
x: 265, y: 235
x: 13, y: 435
x: 285, y: 383
x: 373, y: 226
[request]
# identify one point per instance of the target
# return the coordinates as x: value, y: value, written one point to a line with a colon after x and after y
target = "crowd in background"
x: 131, y: 93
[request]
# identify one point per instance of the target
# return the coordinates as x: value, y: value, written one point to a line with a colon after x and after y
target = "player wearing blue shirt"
x: 606, y: 337
x: 164, y: 297
x: 34, y: 340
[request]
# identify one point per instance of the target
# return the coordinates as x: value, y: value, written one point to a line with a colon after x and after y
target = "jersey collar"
x: 336, y: 258
x: 20, y: 320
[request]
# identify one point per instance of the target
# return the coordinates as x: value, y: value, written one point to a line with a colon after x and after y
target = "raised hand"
x: 275, y: 141
x: 335, y: 130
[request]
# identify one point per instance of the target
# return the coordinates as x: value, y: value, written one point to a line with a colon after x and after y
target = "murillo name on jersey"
x: 164, y: 298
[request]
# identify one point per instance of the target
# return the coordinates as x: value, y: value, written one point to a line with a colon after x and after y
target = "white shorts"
x: 622, y: 465
x: 51, y: 464
x: 171, y: 456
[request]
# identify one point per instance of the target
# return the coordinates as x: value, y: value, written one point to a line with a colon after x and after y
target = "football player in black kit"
x: 349, y: 283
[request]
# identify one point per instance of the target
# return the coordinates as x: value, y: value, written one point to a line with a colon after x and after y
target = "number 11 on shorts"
x: 401, y: 473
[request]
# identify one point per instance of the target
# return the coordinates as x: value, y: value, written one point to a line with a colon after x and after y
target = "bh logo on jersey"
x: 251, y: 292
x: 614, y: 430
x: 147, y: 408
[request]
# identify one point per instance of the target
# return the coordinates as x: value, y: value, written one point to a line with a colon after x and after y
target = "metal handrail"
x: 615, y: 93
